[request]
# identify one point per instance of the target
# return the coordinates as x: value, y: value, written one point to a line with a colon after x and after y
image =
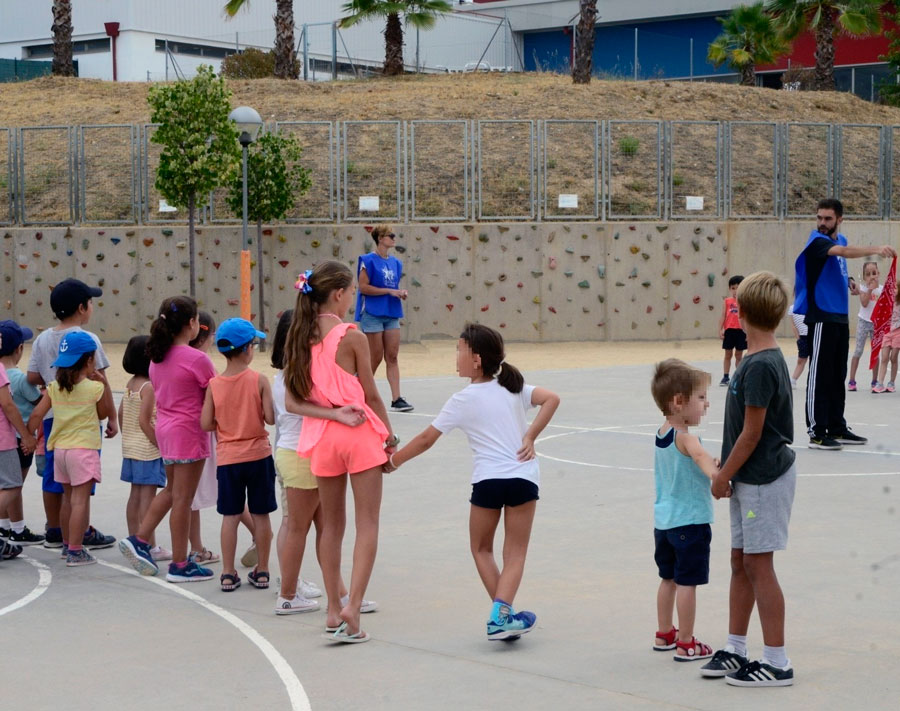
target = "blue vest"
x: 683, y: 495
x: 384, y: 274
x: 831, y: 293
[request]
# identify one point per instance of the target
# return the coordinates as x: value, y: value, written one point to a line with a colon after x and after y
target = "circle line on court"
x: 45, y: 577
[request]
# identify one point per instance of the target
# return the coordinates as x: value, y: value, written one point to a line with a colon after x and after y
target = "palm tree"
x: 63, y: 65
x: 584, y: 42
x: 418, y: 13
x: 748, y: 38
x: 826, y: 18
x: 286, y: 66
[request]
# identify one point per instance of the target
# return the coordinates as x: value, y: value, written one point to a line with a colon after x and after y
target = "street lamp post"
x: 248, y: 124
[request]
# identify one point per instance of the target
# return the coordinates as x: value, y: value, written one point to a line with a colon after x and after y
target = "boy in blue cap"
x: 25, y: 397
x: 238, y: 407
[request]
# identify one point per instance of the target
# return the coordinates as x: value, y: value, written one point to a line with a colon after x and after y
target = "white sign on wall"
x: 568, y: 201
x: 368, y: 203
x: 693, y: 202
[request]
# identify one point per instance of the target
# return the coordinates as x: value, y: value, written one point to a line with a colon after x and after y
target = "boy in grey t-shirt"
x: 758, y: 464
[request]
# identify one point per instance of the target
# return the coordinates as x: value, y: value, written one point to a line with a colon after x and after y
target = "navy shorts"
x: 256, y: 479
x: 682, y: 553
x: 802, y: 347
x: 497, y: 493
x: 735, y: 339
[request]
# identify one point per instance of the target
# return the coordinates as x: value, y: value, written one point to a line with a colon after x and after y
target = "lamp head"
x: 248, y: 123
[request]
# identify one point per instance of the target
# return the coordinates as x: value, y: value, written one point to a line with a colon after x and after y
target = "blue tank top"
x: 384, y: 274
x: 830, y: 295
x: 683, y: 496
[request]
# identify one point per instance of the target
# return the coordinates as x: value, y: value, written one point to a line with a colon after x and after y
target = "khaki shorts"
x: 293, y: 470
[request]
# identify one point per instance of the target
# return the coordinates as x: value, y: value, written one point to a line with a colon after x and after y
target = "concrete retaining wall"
x: 535, y: 282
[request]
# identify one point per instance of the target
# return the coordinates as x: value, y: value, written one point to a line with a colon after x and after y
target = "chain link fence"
x: 471, y: 170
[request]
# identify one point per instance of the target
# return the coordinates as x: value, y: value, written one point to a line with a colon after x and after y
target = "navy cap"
x: 236, y: 333
x: 73, y: 345
x: 69, y: 294
x: 13, y: 335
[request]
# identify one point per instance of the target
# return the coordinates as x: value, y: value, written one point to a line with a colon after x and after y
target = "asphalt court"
x: 102, y: 638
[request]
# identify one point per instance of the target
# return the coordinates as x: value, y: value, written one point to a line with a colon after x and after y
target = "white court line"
x: 296, y: 693
x: 45, y: 577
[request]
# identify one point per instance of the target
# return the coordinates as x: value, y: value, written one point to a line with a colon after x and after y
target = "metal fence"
x: 481, y: 170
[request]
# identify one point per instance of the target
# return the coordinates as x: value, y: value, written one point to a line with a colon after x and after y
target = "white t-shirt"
x: 287, y: 425
x: 865, y: 312
x: 802, y: 328
x: 493, y: 420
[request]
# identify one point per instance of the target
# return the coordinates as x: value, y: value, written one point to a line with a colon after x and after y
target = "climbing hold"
x: 585, y: 257
x: 697, y: 230
x: 645, y: 256
x: 634, y: 249
x: 267, y: 231
x: 570, y: 250
x: 217, y: 264
x: 54, y: 264
x: 520, y: 285
x: 181, y: 245
x: 468, y: 298
x: 115, y: 292
x: 133, y: 280
x: 451, y: 284
x: 85, y: 244
x: 677, y: 257
x: 676, y: 306
x: 695, y: 243
x: 551, y: 237
x: 711, y: 279
x: 130, y: 233
x: 711, y: 307
x: 649, y: 309
x: 483, y: 237
x: 449, y: 307
x: 620, y: 283
x: 232, y: 302
x: 551, y: 309
x: 693, y: 272
x: 400, y: 248
x: 710, y: 239
x: 584, y: 284
x: 537, y: 273
x: 434, y: 228
x: 552, y: 263
x: 633, y: 274
x: 585, y: 310
x: 665, y: 273
x: 536, y: 300
x: 488, y: 282
x: 185, y: 265
x: 283, y: 262
x: 133, y: 303
x: 502, y: 277
x: 645, y: 284
x: 568, y: 272
x: 315, y: 243
x: 601, y: 270
x: 502, y: 298
x: 662, y: 228
x: 100, y: 257
x: 485, y: 308
x: 101, y: 282
x: 283, y: 239
x: 661, y: 322
x: 115, y: 240
x: 169, y: 233
x: 148, y: 241
x: 696, y: 299
x: 453, y: 238
x: 676, y: 282
x: 416, y: 282
x: 601, y: 298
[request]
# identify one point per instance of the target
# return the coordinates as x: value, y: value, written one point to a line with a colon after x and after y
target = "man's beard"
x: 828, y: 232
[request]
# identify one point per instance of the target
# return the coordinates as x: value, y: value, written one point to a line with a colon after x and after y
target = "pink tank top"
x: 332, y: 386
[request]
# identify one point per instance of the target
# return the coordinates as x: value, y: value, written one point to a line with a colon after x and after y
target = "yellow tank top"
x: 135, y: 444
x: 75, y: 421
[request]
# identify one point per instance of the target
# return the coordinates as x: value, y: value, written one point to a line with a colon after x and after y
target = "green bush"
x: 249, y: 64
x: 628, y: 145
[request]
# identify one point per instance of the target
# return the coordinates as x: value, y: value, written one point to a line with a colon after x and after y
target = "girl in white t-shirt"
x: 505, y: 477
x: 869, y: 291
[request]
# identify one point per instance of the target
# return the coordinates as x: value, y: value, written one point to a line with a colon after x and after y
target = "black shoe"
x: 761, y: 674
x: 53, y: 538
x: 400, y: 405
x: 25, y: 538
x: 94, y: 539
x: 848, y: 437
x: 824, y: 442
x: 724, y: 380
x: 724, y: 662
x: 8, y: 551
x: 5, y: 533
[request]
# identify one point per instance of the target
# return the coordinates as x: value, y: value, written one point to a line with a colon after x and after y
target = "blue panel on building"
x: 664, y: 49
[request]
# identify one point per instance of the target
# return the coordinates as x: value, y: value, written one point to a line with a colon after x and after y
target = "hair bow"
x: 302, y: 282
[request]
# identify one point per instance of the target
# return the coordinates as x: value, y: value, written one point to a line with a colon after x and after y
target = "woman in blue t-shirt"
x: 379, y: 308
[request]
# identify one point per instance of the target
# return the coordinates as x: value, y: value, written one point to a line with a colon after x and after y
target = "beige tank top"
x: 135, y: 444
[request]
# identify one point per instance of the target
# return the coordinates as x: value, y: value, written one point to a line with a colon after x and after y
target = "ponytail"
x: 488, y: 344
x: 175, y: 314
x: 314, y: 291
x: 67, y: 377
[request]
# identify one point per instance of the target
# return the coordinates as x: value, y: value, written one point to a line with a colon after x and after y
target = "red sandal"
x: 670, y: 640
x: 694, y: 650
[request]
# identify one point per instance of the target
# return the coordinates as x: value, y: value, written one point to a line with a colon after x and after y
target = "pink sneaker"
x: 890, y: 387
x: 851, y: 386
x: 879, y: 388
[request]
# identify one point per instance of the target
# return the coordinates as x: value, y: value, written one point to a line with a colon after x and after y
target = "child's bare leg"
x: 332, y: 496
x: 229, y: 542
x: 184, y: 487
x: 6, y: 498
x: 517, y: 522
x: 247, y: 520
x: 894, y: 353
x: 15, y: 510
x: 195, y: 538
x: 52, y: 508
x: 726, y: 361
x: 740, y: 595
x: 482, y: 527
x: 798, y: 369
x: 686, y: 602
x: 262, y: 527
x: 854, y: 364
x: 65, y: 513
x: 367, y: 488
x: 79, y: 510
x: 665, y: 607
x: 760, y: 570
x: 146, y: 495
x: 882, y: 364
x: 302, y: 504
x: 159, y: 507
x: 737, y: 358
x: 132, y: 509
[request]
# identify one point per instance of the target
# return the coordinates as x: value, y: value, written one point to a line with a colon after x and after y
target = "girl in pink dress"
x: 327, y: 363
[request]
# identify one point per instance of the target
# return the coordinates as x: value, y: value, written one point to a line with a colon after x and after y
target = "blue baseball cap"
x: 13, y: 335
x: 72, y: 347
x: 236, y: 333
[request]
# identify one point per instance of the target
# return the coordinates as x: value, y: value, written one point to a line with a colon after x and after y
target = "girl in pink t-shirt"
x: 180, y: 375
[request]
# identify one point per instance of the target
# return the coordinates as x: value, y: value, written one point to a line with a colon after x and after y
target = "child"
x: 72, y: 303
x: 237, y: 407
x: 180, y: 375
x: 734, y: 340
x: 327, y: 362
x: 758, y: 467
x: 25, y: 397
x: 869, y: 291
x: 491, y: 412
x: 11, y: 449
x: 683, y: 510
x: 299, y: 491
x: 800, y: 333
x: 142, y: 465
x: 81, y: 400
x: 890, y: 349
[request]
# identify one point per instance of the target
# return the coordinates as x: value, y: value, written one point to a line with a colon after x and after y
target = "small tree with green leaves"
x: 252, y: 63
x: 889, y: 90
x: 199, y: 143
x: 748, y: 38
x: 275, y: 179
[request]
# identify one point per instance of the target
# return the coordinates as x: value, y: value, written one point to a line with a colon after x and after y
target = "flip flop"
x: 340, y: 635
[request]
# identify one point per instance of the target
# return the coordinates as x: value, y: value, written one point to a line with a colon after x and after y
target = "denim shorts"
x: 149, y: 473
x: 682, y: 553
x: 376, y: 324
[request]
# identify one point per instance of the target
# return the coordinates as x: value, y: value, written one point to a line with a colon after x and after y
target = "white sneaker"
x: 160, y: 553
x: 308, y: 589
x: 367, y: 605
x: 299, y: 604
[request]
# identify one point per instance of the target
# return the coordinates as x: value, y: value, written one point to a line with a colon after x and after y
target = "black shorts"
x: 735, y: 339
x: 682, y: 553
x: 802, y: 347
x: 497, y: 493
x: 25, y: 460
x: 256, y: 479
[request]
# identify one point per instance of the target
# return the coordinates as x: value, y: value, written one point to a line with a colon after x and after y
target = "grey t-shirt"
x: 761, y: 380
x: 45, y: 350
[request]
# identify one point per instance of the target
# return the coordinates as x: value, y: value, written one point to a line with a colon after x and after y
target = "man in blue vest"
x: 821, y: 292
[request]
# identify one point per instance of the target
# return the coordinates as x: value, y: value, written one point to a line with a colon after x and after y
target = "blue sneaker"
x: 94, y: 539
x: 511, y: 625
x: 191, y: 573
x: 138, y: 554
